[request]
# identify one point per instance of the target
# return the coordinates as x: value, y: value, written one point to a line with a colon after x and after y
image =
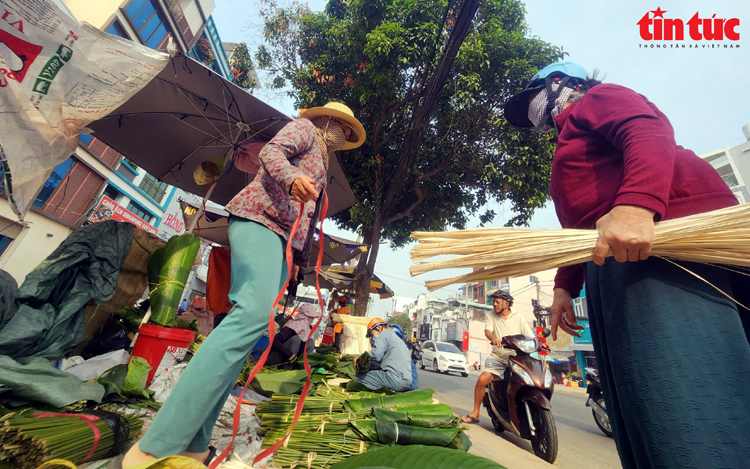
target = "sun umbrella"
x: 189, y: 115
x: 344, y: 278
x: 213, y: 226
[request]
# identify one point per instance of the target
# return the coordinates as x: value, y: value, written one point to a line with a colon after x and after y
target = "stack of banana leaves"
x: 331, y: 429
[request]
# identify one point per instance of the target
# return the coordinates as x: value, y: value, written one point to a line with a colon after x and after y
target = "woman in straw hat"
x: 292, y: 174
x: 672, y: 351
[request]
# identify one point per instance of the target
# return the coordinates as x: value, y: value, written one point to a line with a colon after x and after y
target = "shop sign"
x: 450, y: 331
x: 473, y: 347
x: 585, y: 334
x: 109, y: 210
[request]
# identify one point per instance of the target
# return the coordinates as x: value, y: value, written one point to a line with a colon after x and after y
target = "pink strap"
x: 88, y: 419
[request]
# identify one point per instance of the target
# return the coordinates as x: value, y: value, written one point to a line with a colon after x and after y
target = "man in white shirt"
x: 502, y: 323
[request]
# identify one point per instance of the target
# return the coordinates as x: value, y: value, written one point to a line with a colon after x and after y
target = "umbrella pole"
x: 210, y: 191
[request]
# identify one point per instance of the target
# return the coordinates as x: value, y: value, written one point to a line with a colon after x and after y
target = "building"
x: 733, y: 164
x: 97, y: 179
x: 400, y: 304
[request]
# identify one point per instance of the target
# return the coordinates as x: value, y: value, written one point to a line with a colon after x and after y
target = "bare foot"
x: 197, y: 456
x: 135, y: 457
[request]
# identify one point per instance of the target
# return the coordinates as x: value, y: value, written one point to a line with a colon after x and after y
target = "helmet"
x: 373, y: 324
x: 504, y: 295
x: 397, y: 330
x: 517, y: 107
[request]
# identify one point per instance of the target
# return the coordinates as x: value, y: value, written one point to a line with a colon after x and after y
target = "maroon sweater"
x: 616, y: 148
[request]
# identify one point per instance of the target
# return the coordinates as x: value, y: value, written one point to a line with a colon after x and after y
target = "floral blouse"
x: 294, y: 151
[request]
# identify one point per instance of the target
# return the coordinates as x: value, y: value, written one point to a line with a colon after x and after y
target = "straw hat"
x: 343, y: 113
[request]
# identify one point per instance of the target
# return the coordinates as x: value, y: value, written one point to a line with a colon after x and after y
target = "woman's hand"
x: 303, y: 189
x: 627, y: 230
x: 563, y: 315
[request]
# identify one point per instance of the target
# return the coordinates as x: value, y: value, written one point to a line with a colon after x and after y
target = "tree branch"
x: 418, y: 191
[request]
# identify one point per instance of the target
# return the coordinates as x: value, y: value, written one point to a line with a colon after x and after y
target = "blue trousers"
x: 674, y: 360
x: 186, y: 419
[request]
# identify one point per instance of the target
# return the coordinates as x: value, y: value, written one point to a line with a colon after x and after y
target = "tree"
x: 402, y: 320
x: 242, y: 69
x: 428, y: 80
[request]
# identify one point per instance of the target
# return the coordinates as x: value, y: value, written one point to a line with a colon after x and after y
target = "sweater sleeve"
x: 645, y: 138
x: 571, y: 278
x: 295, y: 138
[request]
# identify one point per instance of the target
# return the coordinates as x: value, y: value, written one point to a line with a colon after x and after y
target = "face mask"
x: 330, y: 135
x: 372, y: 341
x: 538, y: 107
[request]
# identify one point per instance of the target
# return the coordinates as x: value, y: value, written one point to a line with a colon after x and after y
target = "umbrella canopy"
x: 188, y: 115
x: 213, y: 226
x: 343, y: 278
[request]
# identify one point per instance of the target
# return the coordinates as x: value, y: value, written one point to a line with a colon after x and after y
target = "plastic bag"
x: 56, y: 77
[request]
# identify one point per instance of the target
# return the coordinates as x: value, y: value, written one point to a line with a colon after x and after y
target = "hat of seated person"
x: 345, y: 115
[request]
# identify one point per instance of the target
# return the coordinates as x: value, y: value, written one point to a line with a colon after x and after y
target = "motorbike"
x: 475, y: 366
x: 416, y: 351
x: 596, y: 401
x: 520, y: 401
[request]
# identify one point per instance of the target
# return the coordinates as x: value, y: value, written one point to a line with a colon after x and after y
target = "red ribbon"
x: 271, y: 333
x: 88, y: 419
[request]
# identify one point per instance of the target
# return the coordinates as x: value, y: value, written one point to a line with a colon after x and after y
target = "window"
x: 581, y: 309
x: 449, y: 348
x: 9, y: 231
x: 153, y: 188
x: 140, y: 212
x: 117, y: 30
x: 148, y: 21
x: 111, y: 192
x: 54, y: 180
x: 493, y: 284
x: 481, y: 293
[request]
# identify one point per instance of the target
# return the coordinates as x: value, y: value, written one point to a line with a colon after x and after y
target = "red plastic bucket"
x: 161, y: 346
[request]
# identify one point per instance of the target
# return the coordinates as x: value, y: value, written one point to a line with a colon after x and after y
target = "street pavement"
x: 582, y: 444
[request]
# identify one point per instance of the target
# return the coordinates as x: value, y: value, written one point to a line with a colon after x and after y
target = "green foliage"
x: 416, y: 457
x: 242, y: 68
x: 168, y: 270
x: 376, y: 56
x: 402, y: 320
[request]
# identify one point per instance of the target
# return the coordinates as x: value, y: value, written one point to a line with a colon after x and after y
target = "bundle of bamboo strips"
x: 27, y: 441
x: 318, y: 440
x: 718, y: 237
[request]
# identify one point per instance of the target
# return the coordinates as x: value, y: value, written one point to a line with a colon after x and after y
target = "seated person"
x: 503, y: 322
x: 414, y: 377
x: 291, y: 340
x: 338, y: 328
x: 392, y: 357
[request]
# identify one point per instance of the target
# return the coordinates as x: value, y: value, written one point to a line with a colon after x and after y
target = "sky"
x: 703, y: 91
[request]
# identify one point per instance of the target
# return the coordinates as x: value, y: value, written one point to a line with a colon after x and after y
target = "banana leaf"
x: 460, y: 442
x: 345, y: 368
x: 137, y: 377
x: 426, y: 420
x: 321, y: 359
x: 416, y: 457
x: 405, y: 399
x: 392, y: 433
x: 442, y: 409
x: 356, y: 386
x: 281, y: 382
x: 362, y: 363
x: 168, y: 270
x: 363, y: 429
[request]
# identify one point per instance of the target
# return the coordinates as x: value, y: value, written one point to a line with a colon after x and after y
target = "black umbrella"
x: 188, y: 115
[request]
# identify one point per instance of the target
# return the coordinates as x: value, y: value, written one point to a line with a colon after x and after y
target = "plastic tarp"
x: 50, y: 318
x: 35, y: 379
x: 354, y: 339
x: 57, y: 77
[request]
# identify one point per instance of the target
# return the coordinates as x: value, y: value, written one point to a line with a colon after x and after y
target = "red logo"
x: 657, y: 28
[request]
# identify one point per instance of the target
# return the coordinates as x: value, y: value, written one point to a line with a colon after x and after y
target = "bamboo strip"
x: 717, y: 237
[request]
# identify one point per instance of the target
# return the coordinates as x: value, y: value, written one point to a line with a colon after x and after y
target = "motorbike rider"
x: 502, y: 323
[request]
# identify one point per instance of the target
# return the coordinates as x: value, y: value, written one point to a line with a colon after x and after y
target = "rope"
x: 179, y: 284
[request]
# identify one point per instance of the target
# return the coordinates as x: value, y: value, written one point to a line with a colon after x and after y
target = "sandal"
x: 469, y: 419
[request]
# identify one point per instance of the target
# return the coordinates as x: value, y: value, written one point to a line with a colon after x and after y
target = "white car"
x: 445, y: 357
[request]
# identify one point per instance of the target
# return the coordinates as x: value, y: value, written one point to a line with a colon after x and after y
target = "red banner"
x: 466, y: 342
x: 109, y: 210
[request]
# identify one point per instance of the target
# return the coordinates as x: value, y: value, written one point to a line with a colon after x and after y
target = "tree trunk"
x: 365, y: 269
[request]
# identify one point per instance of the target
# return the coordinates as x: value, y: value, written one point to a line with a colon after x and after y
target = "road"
x: 582, y: 444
